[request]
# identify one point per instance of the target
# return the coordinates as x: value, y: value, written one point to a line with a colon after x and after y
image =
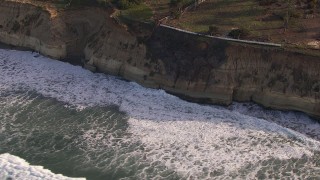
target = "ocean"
x: 60, y: 121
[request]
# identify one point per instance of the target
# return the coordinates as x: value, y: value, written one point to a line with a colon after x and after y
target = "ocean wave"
x: 13, y: 167
x: 195, y: 140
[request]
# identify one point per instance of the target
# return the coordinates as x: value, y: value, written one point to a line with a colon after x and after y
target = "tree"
x: 239, y: 33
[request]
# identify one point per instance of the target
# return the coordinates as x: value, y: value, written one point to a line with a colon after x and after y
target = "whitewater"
x: 149, y: 134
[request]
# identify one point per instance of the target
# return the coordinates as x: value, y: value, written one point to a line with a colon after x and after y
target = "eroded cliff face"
x: 48, y: 30
x: 206, y: 70
x: 196, y: 68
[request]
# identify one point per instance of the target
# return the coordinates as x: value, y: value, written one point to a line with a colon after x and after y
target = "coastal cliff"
x: 203, y: 69
x: 194, y: 67
x: 57, y: 33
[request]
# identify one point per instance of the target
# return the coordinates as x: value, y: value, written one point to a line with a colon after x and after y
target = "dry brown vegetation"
x: 294, y: 22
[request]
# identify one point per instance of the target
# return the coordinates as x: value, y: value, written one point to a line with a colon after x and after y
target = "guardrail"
x: 224, y: 38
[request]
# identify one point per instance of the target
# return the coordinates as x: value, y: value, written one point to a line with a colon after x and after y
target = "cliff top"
x: 294, y: 23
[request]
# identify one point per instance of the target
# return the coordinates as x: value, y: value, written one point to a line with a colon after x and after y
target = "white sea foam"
x: 194, y: 140
x: 293, y: 120
x: 13, y: 167
x: 193, y: 146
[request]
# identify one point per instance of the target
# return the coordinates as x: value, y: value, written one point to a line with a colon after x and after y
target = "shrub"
x: 266, y: 2
x: 123, y: 4
x: 180, y: 3
x: 79, y: 2
x: 295, y: 14
x: 176, y: 14
x: 213, y: 30
x: 292, y: 14
x: 312, y: 4
x: 175, y: 3
x: 85, y: 2
x: 126, y: 4
x: 239, y: 33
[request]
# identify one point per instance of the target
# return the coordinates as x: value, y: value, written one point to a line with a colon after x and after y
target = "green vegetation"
x: 294, y: 22
x: 129, y: 10
x: 266, y: 2
x: 280, y: 21
x: 224, y: 14
x: 213, y: 30
x: 139, y: 12
x: 80, y: 2
x: 302, y: 49
x: 76, y: 3
x: 180, y: 3
x: 239, y: 33
x: 163, y: 8
x: 126, y: 4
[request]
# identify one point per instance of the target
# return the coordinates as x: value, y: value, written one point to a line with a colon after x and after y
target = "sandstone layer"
x: 203, y: 69
x: 56, y: 33
x: 196, y: 68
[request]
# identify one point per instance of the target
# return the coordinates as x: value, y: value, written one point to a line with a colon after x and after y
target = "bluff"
x: 57, y: 33
x: 194, y: 67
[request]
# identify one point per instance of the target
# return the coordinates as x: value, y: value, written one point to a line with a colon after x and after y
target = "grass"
x: 163, y: 8
x: 225, y: 14
x: 139, y: 12
x: 63, y: 4
x: 264, y: 23
x: 303, y: 50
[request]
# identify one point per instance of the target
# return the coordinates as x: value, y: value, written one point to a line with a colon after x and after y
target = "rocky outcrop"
x: 60, y: 35
x: 196, y: 68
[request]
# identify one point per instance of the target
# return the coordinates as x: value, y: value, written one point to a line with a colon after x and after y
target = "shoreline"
x: 12, y: 47
x: 199, y: 101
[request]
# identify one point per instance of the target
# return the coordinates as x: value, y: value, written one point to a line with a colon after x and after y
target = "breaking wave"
x: 13, y: 167
x: 159, y: 135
